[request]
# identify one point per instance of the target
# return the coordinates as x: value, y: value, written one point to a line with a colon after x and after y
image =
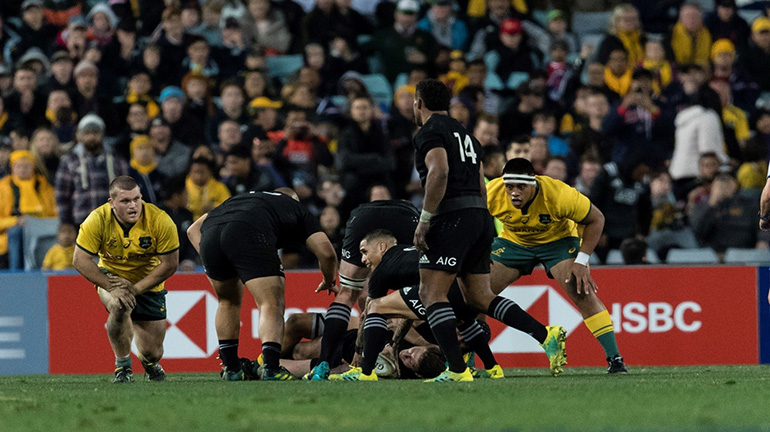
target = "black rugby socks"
x: 228, y: 353
x: 509, y: 313
x: 443, y: 323
x: 271, y: 354
x: 375, y: 338
x: 337, y: 319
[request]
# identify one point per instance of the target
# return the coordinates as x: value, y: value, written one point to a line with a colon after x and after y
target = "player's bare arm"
x: 435, y: 187
x: 167, y: 267
x: 322, y: 248
x: 86, y: 266
x: 593, y: 227
x: 194, y: 233
x: 764, y: 207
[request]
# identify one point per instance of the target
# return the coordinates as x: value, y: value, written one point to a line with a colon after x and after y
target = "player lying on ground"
x: 397, y: 266
x: 540, y: 218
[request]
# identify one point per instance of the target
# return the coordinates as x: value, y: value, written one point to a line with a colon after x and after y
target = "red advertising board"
x: 662, y: 316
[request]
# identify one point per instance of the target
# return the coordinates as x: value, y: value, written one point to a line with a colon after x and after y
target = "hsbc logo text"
x: 656, y: 317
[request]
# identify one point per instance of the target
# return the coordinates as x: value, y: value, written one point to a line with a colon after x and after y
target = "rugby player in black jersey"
x: 238, y: 243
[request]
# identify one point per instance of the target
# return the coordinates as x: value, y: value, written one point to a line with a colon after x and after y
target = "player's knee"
x: 428, y: 296
x: 119, y: 312
x: 294, y: 323
x: 375, y: 306
x: 152, y: 355
x: 347, y: 296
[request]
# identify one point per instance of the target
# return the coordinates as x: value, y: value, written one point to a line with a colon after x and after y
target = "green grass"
x: 660, y: 398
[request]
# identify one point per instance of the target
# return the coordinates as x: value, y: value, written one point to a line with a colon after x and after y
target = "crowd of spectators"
x: 663, y: 120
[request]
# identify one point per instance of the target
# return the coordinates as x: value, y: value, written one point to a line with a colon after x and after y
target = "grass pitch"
x: 659, y: 398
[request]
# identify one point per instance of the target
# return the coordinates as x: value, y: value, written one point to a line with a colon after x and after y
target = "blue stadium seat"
x: 379, y: 88
x: 39, y: 237
x: 590, y: 22
x: 283, y: 67
x: 747, y: 256
x: 491, y: 59
x: 493, y: 81
x: 516, y: 79
x: 692, y: 256
x: 401, y: 79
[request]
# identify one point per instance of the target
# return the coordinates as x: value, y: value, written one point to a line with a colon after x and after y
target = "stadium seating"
x: 692, y: 256
x: 516, y: 79
x: 379, y: 88
x: 747, y: 256
x: 39, y: 237
x: 590, y: 22
x: 282, y: 67
x: 614, y: 257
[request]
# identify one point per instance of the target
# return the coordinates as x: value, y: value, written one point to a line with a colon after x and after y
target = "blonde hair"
x: 617, y: 12
x: 39, y: 162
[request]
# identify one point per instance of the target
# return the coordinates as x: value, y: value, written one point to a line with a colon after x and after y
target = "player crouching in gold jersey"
x: 540, y: 217
x: 138, y: 248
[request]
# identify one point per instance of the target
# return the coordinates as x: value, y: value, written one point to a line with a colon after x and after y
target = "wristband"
x: 582, y: 259
x: 765, y: 218
x: 425, y: 216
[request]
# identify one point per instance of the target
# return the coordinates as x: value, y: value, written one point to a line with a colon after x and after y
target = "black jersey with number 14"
x: 463, y: 154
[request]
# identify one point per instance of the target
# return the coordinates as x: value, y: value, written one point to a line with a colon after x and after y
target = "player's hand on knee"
x: 584, y: 283
x: 117, y: 282
x: 125, y: 299
x: 419, y: 236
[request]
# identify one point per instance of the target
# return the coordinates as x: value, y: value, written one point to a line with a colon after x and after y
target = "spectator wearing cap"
x: 26, y: 101
x: 486, y: 30
x: 173, y: 156
x: 143, y: 167
x: 73, y: 38
x: 268, y: 27
x: 689, y: 40
x: 513, y: 53
x: 243, y: 174
x: 232, y: 101
x: 446, y: 28
x: 34, y: 31
x: 172, y: 109
x: 724, y: 68
x: 61, y: 73
x: 87, y: 98
x: 204, y: 190
x: 758, y: 58
x: 37, y: 61
x: 84, y: 176
x: 211, y: 13
x: 23, y: 194
x: 102, y: 23
x: 171, y: 41
x: 404, y: 45
x: 264, y: 115
x: 557, y: 25
x: 625, y: 31
x: 725, y: 23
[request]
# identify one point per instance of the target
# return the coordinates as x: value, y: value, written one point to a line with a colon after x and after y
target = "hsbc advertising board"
x: 662, y: 316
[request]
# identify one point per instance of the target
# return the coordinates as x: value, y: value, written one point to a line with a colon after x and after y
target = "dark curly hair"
x: 434, y: 94
x: 431, y: 363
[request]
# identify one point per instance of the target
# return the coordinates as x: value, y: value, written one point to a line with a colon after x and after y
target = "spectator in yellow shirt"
x: 204, y: 190
x: 59, y: 257
x: 23, y: 194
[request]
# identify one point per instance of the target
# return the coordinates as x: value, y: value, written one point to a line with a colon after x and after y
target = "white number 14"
x: 466, y: 148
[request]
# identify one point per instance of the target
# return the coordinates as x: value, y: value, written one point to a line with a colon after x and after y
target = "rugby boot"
x: 154, y: 372
x: 616, y: 365
x: 470, y: 359
x: 280, y: 374
x: 123, y: 375
x: 555, y: 348
x: 319, y: 373
x: 228, y: 375
x: 496, y: 372
x: 354, y: 374
x: 449, y: 376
